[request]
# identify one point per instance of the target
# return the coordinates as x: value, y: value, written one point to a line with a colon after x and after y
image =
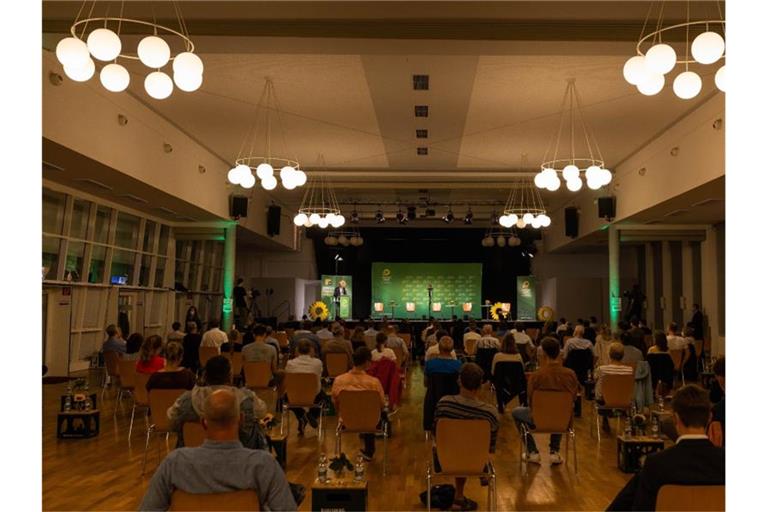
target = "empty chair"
x: 552, y: 414
x: 618, y: 396
x: 111, y: 369
x: 360, y: 413
x: 700, y: 498
x: 160, y: 400
x: 127, y: 371
x: 336, y: 363
x: 257, y: 374
x: 246, y: 499
x: 300, y: 391
x: 206, y: 353
x: 140, y: 396
x: 509, y: 382
x: 462, y: 448
x: 438, y: 386
x: 484, y: 359
x: 580, y: 361
x: 236, y: 361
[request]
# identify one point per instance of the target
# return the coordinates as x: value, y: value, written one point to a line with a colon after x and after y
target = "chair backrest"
x: 127, y: 371
x: 533, y: 332
x: 399, y: 354
x: 618, y: 390
x: 552, y: 410
x: 580, y: 360
x: 677, y: 357
x: 193, y: 433
x: 406, y: 336
x: 662, y: 368
x: 257, y: 374
x: 470, y: 346
x: 484, y: 358
x: 336, y: 363
x: 438, y: 386
x: 370, y: 341
x: 360, y: 410
x: 704, y: 498
x: 160, y: 400
x: 111, y: 360
x: 236, y: 360
x: 206, y: 353
x: 140, y: 395
x: 509, y: 376
x: 301, y: 389
x: 463, y: 445
x: 698, y: 346
x: 282, y: 338
x: 247, y: 499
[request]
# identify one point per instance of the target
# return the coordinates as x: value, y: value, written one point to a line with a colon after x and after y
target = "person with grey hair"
x: 577, y: 342
x: 221, y: 464
x: 338, y: 344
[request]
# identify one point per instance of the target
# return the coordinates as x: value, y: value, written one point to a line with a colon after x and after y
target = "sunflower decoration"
x: 545, y: 313
x: 497, y: 311
x: 319, y: 310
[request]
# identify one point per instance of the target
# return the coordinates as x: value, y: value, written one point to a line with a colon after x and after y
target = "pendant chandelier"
x: 77, y: 53
x: 524, y: 207
x: 655, y: 58
x: 499, y: 237
x: 319, y: 207
x: 344, y: 238
x: 264, y: 162
x: 565, y: 160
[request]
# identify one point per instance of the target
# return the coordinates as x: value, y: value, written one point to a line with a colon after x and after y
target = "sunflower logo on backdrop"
x: 497, y: 311
x: 545, y: 313
x: 319, y: 310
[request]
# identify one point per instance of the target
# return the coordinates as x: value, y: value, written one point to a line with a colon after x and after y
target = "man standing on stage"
x: 341, y: 289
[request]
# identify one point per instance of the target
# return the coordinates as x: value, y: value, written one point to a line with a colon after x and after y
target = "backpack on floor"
x: 442, y: 496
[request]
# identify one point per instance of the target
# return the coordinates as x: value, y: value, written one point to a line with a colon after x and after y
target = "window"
x: 74, y: 266
x: 122, y: 265
x: 79, y: 225
x: 101, y: 233
x: 149, y: 236
x: 127, y: 230
x: 160, y: 272
x: 165, y: 231
x: 146, y: 261
x: 98, y: 259
x: 53, y: 211
x: 51, y: 256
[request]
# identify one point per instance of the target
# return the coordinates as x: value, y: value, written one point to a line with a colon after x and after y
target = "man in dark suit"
x: 697, y: 322
x: 341, y: 289
x: 694, y: 460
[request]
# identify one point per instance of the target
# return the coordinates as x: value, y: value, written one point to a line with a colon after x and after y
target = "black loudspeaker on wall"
x: 606, y: 207
x: 238, y: 207
x: 273, y: 220
x: 572, y: 221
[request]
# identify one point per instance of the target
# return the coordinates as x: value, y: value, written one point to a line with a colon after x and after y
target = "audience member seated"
x: 324, y: 333
x: 467, y: 405
x: 380, y: 350
x: 632, y: 354
x: 114, y: 341
x: 552, y: 376
x: 693, y: 460
x: 524, y: 342
x: 221, y: 464
x: 488, y: 340
x: 149, y: 360
x: 358, y: 337
x: 674, y: 340
x: 690, y: 362
x: 614, y: 367
x: 305, y: 363
x: 370, y: 331
x: 191, y: 346
x: 133, y: 346
x: 471, y: 332
x: 662, y: 370
x: 432, y: 333
x: 337, y: 344
x: 172, y: 375
x: 716, y: 428
x: 306, y: 333
x: 589, y: 329
x: 176, y: 333
x: 259, y: 350
x: 637, y: 335
x: 444, y: 362
x: 509, y: 350
x: 602, y: 344
x: 357, y: 379
x: 660, y: 343
x: 218, y: 375
x: 393, y: 340
x: 433, y: 348
x: 578, y: 341
x: 271, y: 340
x: 562, y: 326
x: 214, y: 337
x: 234, y: 342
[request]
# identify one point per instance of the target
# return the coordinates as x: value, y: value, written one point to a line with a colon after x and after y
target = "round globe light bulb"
x: 501, y: 241
x: 264, y: 170
x: 593, y: 172
x: 343, y: 240
x: 323, y: 222
x: 72, y: 52
x: 187, y: 82
x: 187, y: 63
x: 720, y: 78
x: 549, y: 172
x: 338, y: 221
x: 570, y: 172
x: 286, y: 173
x: 528, y: 218
x: 651, y: 84
x: 545, y: 221
x: 606, y: 176
x: 536, y: 223
x: 708, y: 47
x: 520, y: 223
x: 81, y: 73
x: 154, y: 52
x: 594, y: 183
x: 505, y: 221
x: 660, y: 59
x: 300, y: 177
x: 687, y: 85
x: 513, y: 219
x: 574, y: 185
x: 269, y: 183
x: 158, y: 85
x: 233, y: 176
x: 540, y: 180
x: 553, y: 184
x: 314, y: 218
x: 114, y: 77
x: 289, y: 184
x: 300, y: 219
x: 243, y: 171
x: 104, y: 44
x: 634, y: 69
x: 248, y: 181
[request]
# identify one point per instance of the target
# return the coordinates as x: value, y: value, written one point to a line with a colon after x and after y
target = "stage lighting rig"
x: 448, y: 217
x: 468, y: 216
x: 380, y: 216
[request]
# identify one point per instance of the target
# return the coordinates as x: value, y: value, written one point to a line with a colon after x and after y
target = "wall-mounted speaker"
x: 572, y: 221
x: 606, y: 207
x: 238, y: 207
x: 273, y: 220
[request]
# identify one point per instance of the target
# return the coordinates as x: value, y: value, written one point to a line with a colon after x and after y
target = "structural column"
x: 667, y: 303
x: 710, y: 298
x: 687, y: 299
x: 614, y: 292
x: 650, y: 286
x: 228, y: 276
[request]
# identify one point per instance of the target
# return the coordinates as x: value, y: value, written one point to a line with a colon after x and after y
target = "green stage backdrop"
x: 526, y: 298
x: 329, y: 284
x: 407, y: 282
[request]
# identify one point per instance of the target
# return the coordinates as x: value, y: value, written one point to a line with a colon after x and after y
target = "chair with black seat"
x: 662, y: 371
x: 484, y: 359
x: 509, y: 382
x: 438, y: 386
x: 580, y: 361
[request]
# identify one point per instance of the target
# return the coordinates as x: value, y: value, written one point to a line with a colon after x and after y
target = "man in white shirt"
x: 471, y: 333
x: 305, y: 363
x: 434, y: 350
x: 176, y: 334
x: 562, y: 326
x: 614, y: 367
x: 674, y: 340
x: 487, y: 340
x: 577, y: 342
x: 393, y: 340
x: 370, y: 331
x: 214, y: 337
x: 324, y: 333
x: 522, y: 340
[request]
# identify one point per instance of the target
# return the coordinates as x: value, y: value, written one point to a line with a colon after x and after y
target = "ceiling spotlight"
x: 380, y: 217
x: 401, y: 218
x: 468, y: 216
x: 354, y: 217
x: 494, y: 218
x: 411, y: 213
x: 448, y: 217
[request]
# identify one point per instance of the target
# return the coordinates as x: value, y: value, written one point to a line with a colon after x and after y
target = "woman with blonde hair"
x: 172, y: 375
x: 602, y: 345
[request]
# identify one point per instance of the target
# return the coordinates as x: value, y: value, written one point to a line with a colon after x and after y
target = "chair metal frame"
x: 166, y: 396
x: 288, y: 405
x: 612, y: 406
x: 109, y: 377
x: 341, y: 429
x: 569, y: 432
x: 140, y: 399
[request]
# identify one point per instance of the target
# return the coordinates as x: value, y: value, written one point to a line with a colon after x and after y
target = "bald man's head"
x: 445, y: 345
x: 221, y: 410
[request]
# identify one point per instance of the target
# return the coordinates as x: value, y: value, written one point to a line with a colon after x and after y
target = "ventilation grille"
x: 95, y: 183
x: 422, y: 151
x: 47, y: 166
x: 420, y: 82
x: 421, y: 110
x: 422, y: 133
